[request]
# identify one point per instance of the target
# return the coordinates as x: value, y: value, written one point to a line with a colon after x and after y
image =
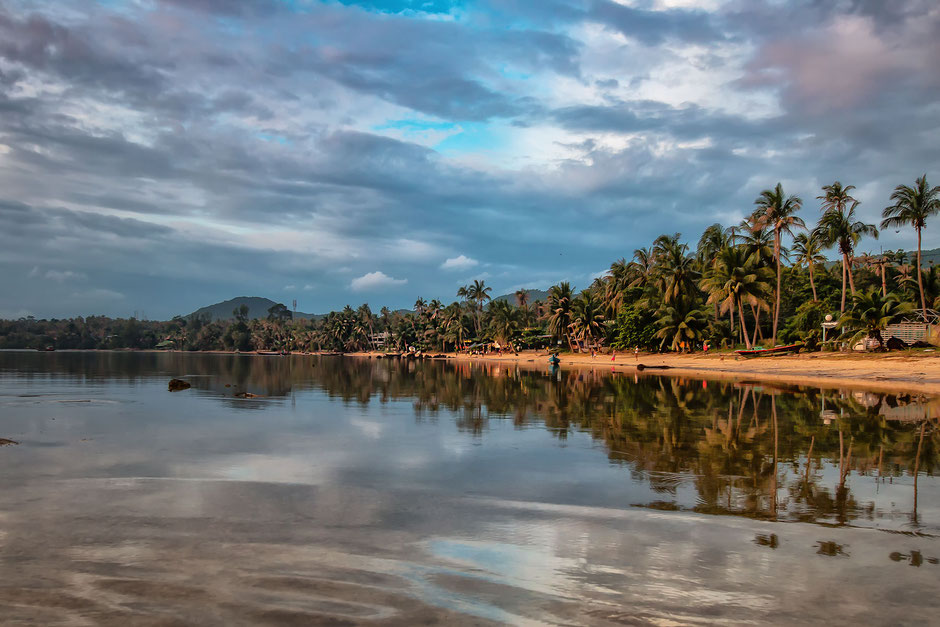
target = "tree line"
x: 764, y: 280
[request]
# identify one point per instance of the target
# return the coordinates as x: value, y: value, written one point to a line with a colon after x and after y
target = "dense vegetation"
x: 764, y: 280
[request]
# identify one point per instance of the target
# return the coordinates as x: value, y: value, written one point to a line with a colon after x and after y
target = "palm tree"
x: 809, y: 253
x: 841, y: 229
x: 678, y: 271
x: 643, y: 267
x: 680, y: 323
x: 777, y: 212
x: 871, y: 312
x: 913, y: 205
x: 587, y: 319
x: 836, y: 197
x: 522, y: 299
x: 559, y: 310
x: 503, y: 321
x: 736, y: 279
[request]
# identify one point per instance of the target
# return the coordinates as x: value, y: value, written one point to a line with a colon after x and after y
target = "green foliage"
x: 633, y: 327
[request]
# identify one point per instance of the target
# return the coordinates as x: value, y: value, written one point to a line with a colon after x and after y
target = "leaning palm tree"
x: 913, y: 205
x: 841, y: 229
x: 871, y: 313
x: 809, y: 253
x: 777, y: 211
x: 737, y: 278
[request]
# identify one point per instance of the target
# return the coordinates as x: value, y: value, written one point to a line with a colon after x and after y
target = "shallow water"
x: 357, y: 491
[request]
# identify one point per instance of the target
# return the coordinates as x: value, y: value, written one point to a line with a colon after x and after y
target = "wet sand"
x: 905, y: 373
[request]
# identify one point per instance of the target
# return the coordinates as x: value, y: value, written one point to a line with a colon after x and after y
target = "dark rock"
x: 178, y: 384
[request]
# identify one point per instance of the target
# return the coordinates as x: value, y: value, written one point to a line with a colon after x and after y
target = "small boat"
x: 47, y: 349
x: 770, y: 352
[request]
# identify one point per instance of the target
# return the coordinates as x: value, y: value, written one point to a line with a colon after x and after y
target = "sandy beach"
x: 898, y: 373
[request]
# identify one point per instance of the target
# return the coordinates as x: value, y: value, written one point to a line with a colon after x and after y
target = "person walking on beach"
x: 614, y: 357
x: 636, y: 354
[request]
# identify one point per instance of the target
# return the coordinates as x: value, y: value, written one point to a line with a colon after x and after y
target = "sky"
x: 161, y: 155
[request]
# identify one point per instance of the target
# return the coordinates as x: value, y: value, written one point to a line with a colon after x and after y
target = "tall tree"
x: 836, y: 197
x: 809, y: 253
x: 841, y: 229
x: 737, y: 278
x: 559, y: 311
x: 777, y: 211
x: 912, y: 206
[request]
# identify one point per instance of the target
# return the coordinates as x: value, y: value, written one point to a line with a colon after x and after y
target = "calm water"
x: 373, y: 491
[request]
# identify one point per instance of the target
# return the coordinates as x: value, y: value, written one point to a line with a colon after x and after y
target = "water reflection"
x: 417, y: 492
x: 753, y: 449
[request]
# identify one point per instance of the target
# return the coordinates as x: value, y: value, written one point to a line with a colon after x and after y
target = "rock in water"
x: 178, y: 384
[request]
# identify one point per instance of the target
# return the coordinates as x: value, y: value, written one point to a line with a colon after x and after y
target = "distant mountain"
x: 534, y: 295
x: 257, y: 308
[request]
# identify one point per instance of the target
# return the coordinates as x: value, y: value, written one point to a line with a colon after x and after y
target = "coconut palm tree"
x: 841, y: 229
x: 809, y: 253
x: 503, y: 321
x: 678, y: 271
x: 680, y: 323
x: 559, y: 310
x: 777, y: 211
x: 587, y: 318
x: 836, y: 197
x: 870, y: 313
x: 913, y: 205
x: 736, y: 279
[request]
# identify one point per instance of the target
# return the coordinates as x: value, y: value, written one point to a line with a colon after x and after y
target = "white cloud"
x: 290, y: 288
x: 64, y: 275
x: 461, y: 262
x: 374, y: 280
x: 308, y: 287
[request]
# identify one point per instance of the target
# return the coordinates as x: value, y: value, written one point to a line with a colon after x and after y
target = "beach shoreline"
x: 892, y: 373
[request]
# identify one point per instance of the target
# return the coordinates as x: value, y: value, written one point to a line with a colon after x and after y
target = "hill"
x: 257, y: 308
x: 534, y: 295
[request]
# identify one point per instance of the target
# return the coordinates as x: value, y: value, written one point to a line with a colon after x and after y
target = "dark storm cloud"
x: 258, y: 145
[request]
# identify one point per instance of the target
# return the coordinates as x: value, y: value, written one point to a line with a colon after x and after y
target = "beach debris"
x: 895, y: 344
x: 6, y: 442
x: 248, y: 395
x: 642, y: 367
x: 176, y: 385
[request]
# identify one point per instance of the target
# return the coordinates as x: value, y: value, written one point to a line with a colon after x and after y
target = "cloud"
x: 461, y: 262
x: 375, y: 281
x: 269, y: 147
x: 62, y: 276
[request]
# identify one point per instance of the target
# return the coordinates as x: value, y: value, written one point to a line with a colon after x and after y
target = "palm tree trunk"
x: 920, y: 281
x: 747, y: 340
x: 777, y: 302
x: 756, y: 314
x: 812, y: 283
x: 842, y: 306
x: 851, y: 278
x: 884, y: 280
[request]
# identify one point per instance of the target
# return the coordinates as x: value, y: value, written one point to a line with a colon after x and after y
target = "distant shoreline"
x: 876, y: 372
